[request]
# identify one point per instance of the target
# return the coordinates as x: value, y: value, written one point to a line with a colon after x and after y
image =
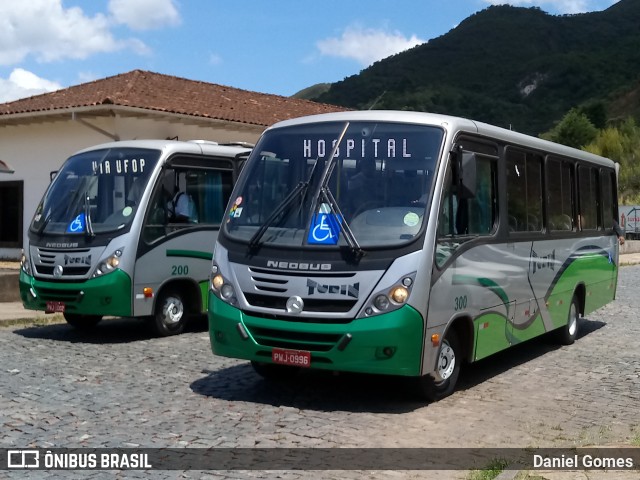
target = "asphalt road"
x: 119, y: 387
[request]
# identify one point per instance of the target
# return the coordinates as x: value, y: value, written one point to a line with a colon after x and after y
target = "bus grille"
x: 52, y: 294
x: 46, y: 262
x: 316, y: 342
x: 310, y: 304
x: 68, y: 271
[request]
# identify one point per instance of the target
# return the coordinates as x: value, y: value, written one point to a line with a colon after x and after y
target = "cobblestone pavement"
x: 119, y: 387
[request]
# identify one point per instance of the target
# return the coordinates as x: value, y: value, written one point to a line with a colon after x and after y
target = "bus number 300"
x: 460, y: 303
x: 179, y: 270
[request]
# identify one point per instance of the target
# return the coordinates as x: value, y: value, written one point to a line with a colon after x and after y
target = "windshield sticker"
x: 127, y: 211
x: 363, y: 148
x: 325, y: 229
x: 77, y: 225
x: 109, y: 167
x: 235, y: 211
x: 411, y: 219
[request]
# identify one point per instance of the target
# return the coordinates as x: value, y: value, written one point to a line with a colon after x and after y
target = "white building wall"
x: 36, y: 149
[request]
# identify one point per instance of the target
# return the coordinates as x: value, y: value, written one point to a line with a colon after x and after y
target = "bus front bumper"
x: 108, y: 295
x: 389, y: 344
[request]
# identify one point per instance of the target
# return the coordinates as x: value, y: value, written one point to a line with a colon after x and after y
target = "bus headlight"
x: 25, y: 264
x: 217, y: 282
x: 222, y: 288
x: 381, y: 302
x: 399, y: 294
x: 389, y: 299
x: 227, y: 292
x: 109, y: 264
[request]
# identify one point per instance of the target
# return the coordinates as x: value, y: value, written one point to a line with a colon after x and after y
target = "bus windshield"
x: 95, y: 192
x: 299, y: 189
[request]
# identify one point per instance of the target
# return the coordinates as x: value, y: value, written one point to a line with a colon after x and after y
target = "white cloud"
x: 46, y: 30
x: 215, y: 59
x: 366, y: 45
x: 560, y: 6
x: 144, y: 14
x: 22, y: 83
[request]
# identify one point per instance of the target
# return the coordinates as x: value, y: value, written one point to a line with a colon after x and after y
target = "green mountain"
x: 516, y: 67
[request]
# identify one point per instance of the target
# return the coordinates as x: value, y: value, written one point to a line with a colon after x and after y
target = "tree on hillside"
x: 575, y: 130
x: 622, y: 144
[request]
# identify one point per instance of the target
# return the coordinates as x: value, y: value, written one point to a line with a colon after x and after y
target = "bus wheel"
x: 568, y: 334
x: 82, y: 322
x: 269, y: 371
x: 447, y: 371
x: 170, y: 316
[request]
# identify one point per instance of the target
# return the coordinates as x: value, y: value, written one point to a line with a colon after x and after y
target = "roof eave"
x: 113, y: 109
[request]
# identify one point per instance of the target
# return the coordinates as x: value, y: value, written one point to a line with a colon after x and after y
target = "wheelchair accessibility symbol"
x: 77, y: 224
x: 325, y: 229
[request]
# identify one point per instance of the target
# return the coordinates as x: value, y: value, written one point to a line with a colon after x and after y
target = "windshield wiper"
x: 282, y: 206
x: 87, y: 216
x: 326, y: 194
x: 301, y: 189
x: 355, y: 247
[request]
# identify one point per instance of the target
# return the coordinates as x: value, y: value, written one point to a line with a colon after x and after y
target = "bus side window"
x: 560, y: 194
x: 157, y: 213
x: 524, y: 191
x: 461, y: 219
x: 589, y: 198
x: 187, y: 197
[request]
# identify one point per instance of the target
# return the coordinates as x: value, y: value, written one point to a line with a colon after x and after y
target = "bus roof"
x: 196, y: 147
x: 452, y: 125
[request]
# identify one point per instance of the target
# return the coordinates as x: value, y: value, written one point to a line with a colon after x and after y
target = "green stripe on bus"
x: 190, y: 254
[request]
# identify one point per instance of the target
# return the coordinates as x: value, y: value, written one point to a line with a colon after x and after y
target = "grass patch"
x: 490, y: 472
x: 35, y: 321
x: 635, y: 441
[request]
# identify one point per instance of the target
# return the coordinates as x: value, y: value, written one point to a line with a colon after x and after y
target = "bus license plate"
x: 295, y: 358
x: 55, y: 307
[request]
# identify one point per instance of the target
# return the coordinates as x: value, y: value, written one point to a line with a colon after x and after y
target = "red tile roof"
x: 165, y: 93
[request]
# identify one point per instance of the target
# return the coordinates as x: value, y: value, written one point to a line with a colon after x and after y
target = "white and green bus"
x: 407, y: 244
x: 127, y: 229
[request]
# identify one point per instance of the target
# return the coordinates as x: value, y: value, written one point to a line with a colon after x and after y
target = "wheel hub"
x: 173, y: 311
x: 446, y: 362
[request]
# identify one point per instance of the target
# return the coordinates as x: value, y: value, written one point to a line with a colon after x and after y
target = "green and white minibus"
x: 407, y: 243
x: 127, y: 229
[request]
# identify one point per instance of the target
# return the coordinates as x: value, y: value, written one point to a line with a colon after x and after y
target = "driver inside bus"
x: 361, y: 186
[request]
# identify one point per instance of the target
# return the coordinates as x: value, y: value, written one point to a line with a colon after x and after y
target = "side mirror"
x: 467, y: 174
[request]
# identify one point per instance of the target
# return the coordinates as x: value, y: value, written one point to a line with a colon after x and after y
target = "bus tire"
x: 170, y: 315
x: 448, y: 371
x: 270, y: 371
x: 82, y: 322
x: 567, y: 335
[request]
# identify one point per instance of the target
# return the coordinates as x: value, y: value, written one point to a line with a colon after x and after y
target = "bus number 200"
x: 180, y: 270
x: 460, y: 303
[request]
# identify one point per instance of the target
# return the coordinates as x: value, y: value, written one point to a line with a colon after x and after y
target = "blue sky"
x: 278, y: 46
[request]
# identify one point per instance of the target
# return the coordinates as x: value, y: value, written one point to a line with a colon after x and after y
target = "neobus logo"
x: 348, y: 290
x: 61, y: 245
x: 298, y: 265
